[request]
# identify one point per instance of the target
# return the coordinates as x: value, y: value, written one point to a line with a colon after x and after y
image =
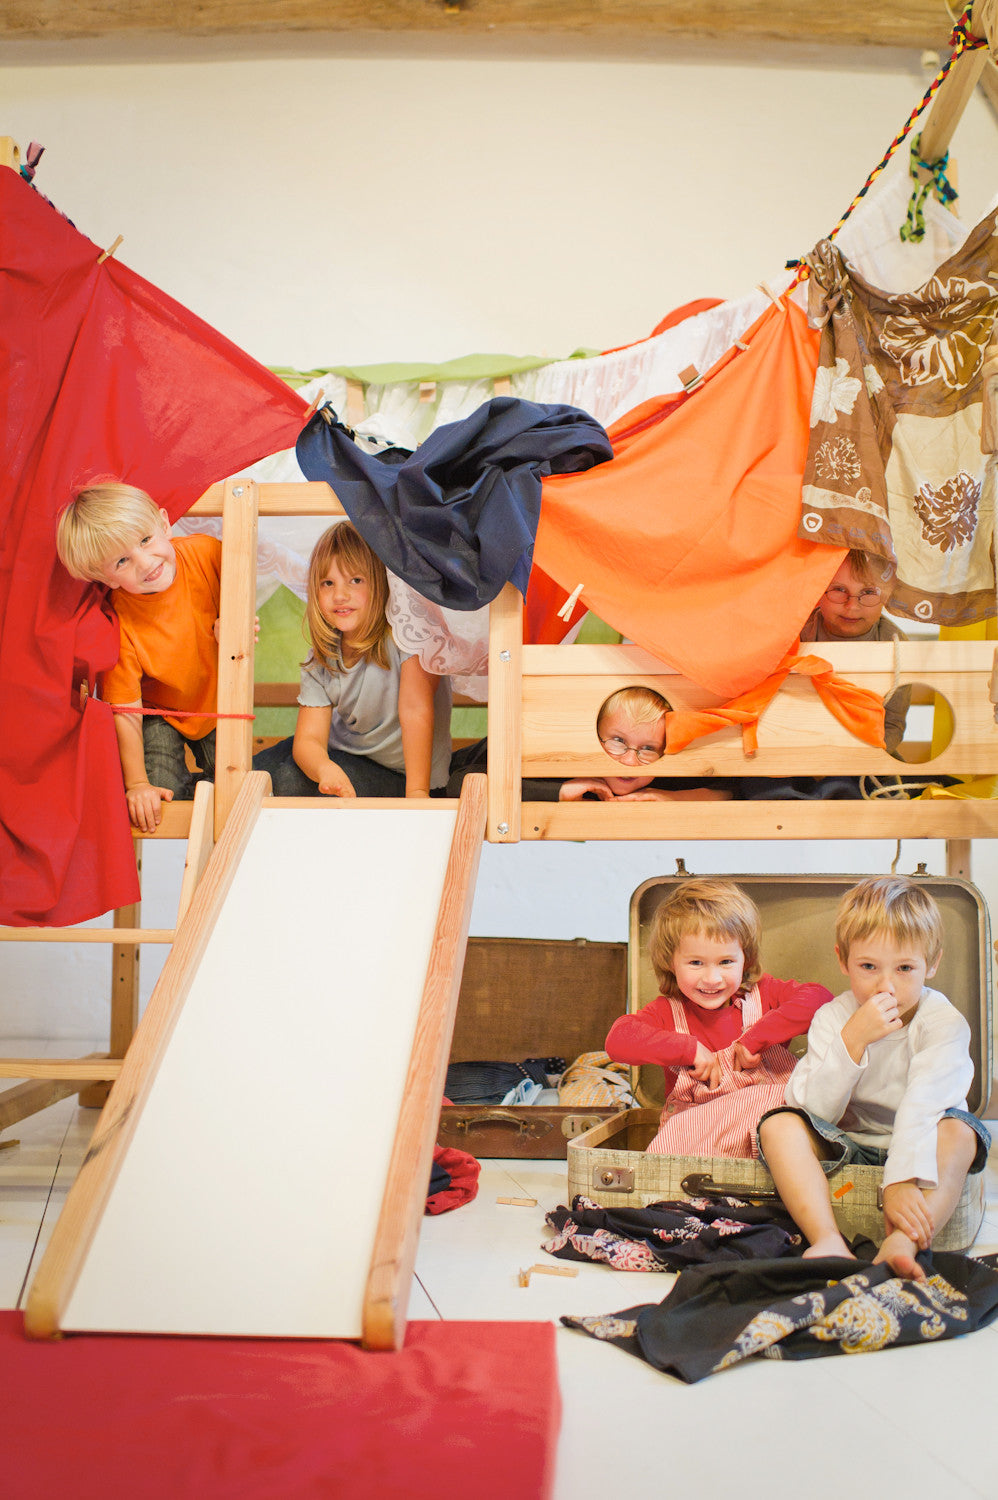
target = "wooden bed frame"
x: 544, y: 702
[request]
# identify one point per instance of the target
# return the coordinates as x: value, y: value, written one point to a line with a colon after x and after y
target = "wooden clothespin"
x: 110, y: 250
x: 519, y: 1202
x: 523, y: 1277
x: 502, y: 385
x: 565, y: 613
x: 427, y: 390
x: 320, y: 397
x: 555, y: 1270
x: 355, y: 402
x: 690, y: 378
x: 776, y: 301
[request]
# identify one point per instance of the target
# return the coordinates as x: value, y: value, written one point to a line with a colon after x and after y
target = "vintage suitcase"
x: 532, y: 997
x: 610, y: 1163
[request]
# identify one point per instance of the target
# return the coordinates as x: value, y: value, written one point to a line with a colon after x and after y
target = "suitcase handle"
x: 527, y: 1129
x: 702, y: 1185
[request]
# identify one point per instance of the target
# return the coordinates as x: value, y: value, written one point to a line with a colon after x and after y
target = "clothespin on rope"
x: 110, y: 250
x: 320, y: 397
x: 690, y: 378
x: 565, y: 613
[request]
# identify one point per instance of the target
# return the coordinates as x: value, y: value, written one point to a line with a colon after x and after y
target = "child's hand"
x: 706, y: 1067
x: 874, y: 1019
x: 335, y: 782
x: 583, y: 786
x: 905, y: 1208
x: 144, y: 810
x: 742, y: 1058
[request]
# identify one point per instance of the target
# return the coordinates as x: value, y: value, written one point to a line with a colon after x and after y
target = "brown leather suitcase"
x: 532, y: 997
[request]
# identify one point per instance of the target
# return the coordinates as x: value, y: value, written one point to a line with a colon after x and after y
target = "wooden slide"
x: 262, y: 1162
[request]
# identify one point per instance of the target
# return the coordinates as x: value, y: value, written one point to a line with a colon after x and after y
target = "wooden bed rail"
x: 545, y: 700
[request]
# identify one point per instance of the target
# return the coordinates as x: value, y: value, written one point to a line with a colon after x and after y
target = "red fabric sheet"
x: 686, y: 541
x: 101, y: 374
x: 463, y: 1409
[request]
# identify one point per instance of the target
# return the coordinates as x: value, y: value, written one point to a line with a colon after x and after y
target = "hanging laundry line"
x: 962, y: 41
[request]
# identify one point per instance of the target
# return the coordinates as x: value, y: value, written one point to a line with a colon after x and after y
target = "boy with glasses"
x: 851, y: 609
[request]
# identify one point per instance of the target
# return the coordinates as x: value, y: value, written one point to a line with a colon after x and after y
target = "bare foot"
x: 829, y: 1244
x: 898, y: 1251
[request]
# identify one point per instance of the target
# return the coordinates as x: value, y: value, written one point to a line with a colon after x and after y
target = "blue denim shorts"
x: 843, y: 1149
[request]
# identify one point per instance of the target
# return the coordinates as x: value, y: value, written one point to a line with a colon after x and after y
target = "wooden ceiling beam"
x: 888, y: 23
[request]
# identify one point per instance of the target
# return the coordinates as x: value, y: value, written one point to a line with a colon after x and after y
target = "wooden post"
x: 234, y: 736
x: 124, y: 993
x: 958, y: 85
x: 505, y: 693
x: 958, y: 856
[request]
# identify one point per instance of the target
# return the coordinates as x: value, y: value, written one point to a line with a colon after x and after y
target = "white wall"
x: 365, y: 206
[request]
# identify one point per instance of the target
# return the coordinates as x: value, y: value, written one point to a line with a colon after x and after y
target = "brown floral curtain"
x: 894, y: 463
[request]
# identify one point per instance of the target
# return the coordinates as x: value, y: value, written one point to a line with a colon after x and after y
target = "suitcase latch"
x: 573, y: 1125
x: 615, y: 1179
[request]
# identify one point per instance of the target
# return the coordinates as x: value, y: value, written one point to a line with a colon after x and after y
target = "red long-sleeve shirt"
x: 649, y: 1035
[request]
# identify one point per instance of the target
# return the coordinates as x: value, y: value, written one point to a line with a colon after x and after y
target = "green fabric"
x: 278, y: 655
x: 468, y: 367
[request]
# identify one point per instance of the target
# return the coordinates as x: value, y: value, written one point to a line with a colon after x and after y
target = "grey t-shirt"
x: 365, y: 718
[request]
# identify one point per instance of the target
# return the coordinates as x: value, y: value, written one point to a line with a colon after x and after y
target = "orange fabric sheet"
x: 686, y: 540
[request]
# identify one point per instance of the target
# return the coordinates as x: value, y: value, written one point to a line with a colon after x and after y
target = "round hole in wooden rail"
x: 918, y: 723
x: 631, y: 723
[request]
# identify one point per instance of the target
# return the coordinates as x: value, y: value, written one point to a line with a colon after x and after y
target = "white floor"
x: 915, y: 1423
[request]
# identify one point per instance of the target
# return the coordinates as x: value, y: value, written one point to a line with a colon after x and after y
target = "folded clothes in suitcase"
x: 610, y: 1163
x: 528, y: 999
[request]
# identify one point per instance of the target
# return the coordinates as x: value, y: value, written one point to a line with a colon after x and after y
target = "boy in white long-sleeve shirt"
x: 884, y: 1082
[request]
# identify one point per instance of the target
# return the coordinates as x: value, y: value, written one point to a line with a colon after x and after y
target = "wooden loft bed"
x: 544, y: 702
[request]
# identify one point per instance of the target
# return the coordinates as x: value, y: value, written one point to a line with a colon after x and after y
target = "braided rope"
x: 961, y: 40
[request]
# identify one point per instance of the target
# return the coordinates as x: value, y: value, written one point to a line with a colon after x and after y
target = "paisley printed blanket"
x: 894, y: 464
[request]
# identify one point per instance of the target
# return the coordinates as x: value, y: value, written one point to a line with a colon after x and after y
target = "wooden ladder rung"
x: 119, y: 936
x: 70, y: 1069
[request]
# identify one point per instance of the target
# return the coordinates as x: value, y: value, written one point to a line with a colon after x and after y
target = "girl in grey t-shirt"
x: 371, y: 721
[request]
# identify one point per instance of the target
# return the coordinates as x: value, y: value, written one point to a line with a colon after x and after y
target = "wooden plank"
x: 86, y: 934
x: 61, y: 1069
x: 70, y: 1242
x: 394, y: 1254
x: 175, y: 822
x: 724, y: 821
x: 914, y: 658
x: 28, y: 1098
x: 505, y: 683
x: 199, y: 846
x: 306, y: 498
x: 797, y: 734
x: 898, y: 23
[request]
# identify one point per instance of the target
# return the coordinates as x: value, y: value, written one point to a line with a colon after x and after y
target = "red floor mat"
x: 462, y: 1408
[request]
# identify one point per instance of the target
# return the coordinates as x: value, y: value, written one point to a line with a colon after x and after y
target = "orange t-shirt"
x: 169, y: 655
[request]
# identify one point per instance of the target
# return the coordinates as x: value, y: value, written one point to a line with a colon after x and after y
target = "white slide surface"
x: 248, y: 1200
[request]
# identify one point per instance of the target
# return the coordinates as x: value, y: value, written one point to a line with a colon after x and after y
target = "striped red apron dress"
x: 701, y: 1121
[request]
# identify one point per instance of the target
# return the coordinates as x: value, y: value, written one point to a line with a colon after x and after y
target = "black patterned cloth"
x: 669, y: 1235
x: 715, y: 1316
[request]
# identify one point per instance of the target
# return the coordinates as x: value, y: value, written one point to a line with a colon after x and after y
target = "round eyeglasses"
x: 866, y: 598
x: 618, y: 748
